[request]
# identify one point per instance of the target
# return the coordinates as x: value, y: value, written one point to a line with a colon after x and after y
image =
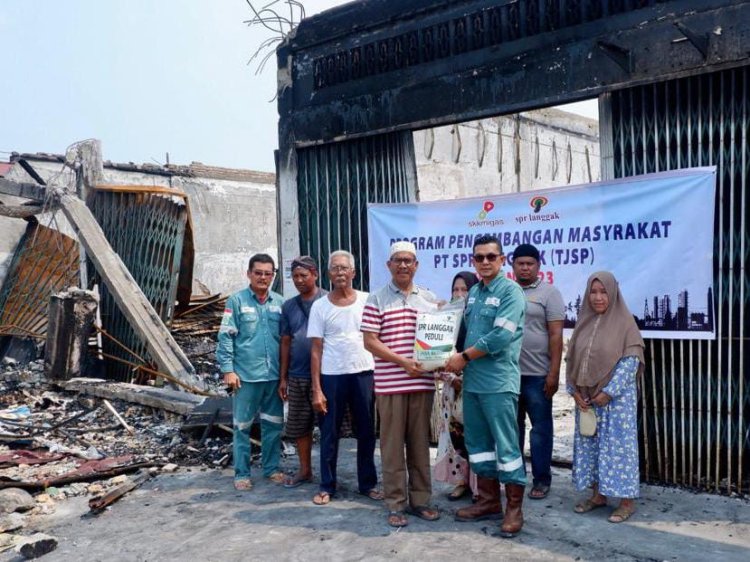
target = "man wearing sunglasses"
x: 494, y: 319
x: 248, y: 356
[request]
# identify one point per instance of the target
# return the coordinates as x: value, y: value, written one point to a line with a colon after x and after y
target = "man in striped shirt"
x: 403, y: 390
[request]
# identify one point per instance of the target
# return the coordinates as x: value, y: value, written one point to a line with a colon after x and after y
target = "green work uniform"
x: 494, y: 320
x: 249, y: 346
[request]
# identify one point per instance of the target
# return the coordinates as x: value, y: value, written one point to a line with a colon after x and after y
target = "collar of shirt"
x: 493, y: 284
x: 533, y: 285
x: 395, y: 289
x: 269, y: 297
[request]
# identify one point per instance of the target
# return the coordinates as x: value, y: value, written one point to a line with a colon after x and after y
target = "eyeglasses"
x: 403, y: 261
x: 339, y: 269
x: 479, y: 258
x: 263, y: 273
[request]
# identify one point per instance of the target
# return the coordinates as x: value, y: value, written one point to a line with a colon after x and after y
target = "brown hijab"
x: 600, y: 340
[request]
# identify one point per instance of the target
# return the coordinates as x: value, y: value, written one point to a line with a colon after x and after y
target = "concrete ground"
x: 197, y: 515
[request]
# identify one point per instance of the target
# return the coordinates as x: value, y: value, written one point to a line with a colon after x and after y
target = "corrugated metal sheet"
x: 45, y: 262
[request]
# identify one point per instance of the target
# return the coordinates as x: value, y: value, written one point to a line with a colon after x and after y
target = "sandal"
x: 458, y: 492
x: 374, y: 494
x: 426, y: 512
x: 277, y: 477
x: 322, y: 498
x: 587, y: 506
x: 397, y: 519
x: 243, y: 484
x: 296, y: 480
x: 621, y: 514
x: 539, y: 491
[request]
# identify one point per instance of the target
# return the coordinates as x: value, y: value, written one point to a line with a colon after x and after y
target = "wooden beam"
x: 161, y: 398
x: 20, y: 211
x: 70, y: 321
x: 22, y: 189
x: 127, y: 294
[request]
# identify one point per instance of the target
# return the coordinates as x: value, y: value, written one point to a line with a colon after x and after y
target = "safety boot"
x: 513, y: 521
x: 488, y: 505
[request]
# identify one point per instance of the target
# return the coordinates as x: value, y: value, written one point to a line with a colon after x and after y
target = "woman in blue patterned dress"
x: 604, y: 361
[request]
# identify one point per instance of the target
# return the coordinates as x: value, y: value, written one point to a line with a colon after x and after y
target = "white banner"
x: 653, y: 232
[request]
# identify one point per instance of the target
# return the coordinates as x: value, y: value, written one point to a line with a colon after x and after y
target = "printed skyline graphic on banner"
x: 654, y: 232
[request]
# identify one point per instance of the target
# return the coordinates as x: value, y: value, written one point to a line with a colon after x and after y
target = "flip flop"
x: 243, y: 484
x: 538, y: 492
x: 294, y: 481
x: 426, y: 512
x: 458, y: 492
x: 277, y: 477
x: 397, y: 519
x: 587, y: 506
x: 620, y: 515
x: 322, y: 498
x: 374, y: 494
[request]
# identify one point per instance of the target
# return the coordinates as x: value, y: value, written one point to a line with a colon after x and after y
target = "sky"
x: 145, y: 77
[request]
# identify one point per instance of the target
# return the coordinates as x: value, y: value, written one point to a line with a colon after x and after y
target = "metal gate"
x: 334, y: 184
x: 146, y: 227
x: 696, y: 397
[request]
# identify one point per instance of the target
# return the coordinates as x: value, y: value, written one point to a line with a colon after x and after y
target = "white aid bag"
x: 435, y: 339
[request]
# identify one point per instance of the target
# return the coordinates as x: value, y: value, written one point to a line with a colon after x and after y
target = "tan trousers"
x: 405, y: 424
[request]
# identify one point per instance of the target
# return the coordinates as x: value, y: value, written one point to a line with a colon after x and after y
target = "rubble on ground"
x: 57, y: 444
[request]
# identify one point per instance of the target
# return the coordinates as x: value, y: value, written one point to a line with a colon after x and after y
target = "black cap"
x: 526, y: 251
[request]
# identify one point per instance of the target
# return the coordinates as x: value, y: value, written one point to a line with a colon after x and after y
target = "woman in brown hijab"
x: 604, y: 360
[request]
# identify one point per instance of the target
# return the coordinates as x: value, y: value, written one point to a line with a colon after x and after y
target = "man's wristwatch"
x: 465, y: 356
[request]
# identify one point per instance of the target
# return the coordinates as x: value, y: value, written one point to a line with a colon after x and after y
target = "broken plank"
x: 134, y: 305
x: 162, y: 398
x: 202, y: 414
x: 118, y: 417
x: 75, y: 476
x: 22, y: 189
x: 20, y: 211
x: 97, y: 504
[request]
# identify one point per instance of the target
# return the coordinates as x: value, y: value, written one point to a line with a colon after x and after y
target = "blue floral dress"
x: 610, y: 458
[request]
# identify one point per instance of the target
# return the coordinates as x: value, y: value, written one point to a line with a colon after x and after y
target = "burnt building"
x: 672, y: 80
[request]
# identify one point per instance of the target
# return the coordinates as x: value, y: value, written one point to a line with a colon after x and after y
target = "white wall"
x: 231, y: 220
x: 534, y: 150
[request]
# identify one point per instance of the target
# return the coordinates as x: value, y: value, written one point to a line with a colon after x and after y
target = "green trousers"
x: 491, y: 434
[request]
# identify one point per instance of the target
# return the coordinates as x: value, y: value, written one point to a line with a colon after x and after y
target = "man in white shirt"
x: 342, y: 374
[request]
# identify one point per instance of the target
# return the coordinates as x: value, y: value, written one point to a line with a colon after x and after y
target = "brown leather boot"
x: 487, y: 506
x: 513, y: 521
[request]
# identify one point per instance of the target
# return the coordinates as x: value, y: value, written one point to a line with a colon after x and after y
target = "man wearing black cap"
x: 541, y: 352
x: 294, y: 365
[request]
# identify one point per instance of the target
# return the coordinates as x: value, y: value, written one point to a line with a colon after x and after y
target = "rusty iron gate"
x: 335, y: 183
x: 695, y: 400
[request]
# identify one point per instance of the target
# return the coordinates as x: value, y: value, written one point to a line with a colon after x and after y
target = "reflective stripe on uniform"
x: 510, y: 466
x: 272, y: 419
x: 506, y: 324
x: 482, y: 457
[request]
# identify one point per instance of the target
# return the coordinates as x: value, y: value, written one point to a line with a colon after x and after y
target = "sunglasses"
x: 479, y: 258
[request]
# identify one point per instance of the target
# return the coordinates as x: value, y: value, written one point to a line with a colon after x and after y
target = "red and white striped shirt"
x: 393, y: 317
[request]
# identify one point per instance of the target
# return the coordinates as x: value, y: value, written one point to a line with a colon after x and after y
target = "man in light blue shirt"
x: 248, y: 356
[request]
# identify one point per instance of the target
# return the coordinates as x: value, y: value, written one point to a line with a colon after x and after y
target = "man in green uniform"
x: 494, y: 319
x: 248, y: 356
